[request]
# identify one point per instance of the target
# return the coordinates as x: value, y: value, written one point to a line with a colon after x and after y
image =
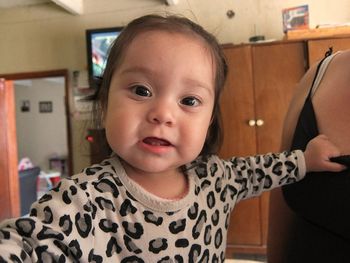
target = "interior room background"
x: 46, y: 37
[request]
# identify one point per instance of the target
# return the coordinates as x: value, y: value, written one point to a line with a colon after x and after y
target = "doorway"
x: 42, y: 118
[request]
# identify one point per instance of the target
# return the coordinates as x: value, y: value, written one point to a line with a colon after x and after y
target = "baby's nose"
x: 162, y: 113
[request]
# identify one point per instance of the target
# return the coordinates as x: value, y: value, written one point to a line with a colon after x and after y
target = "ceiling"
x: 72, y: 6
x: 20, y: 3
x: 75, y: 7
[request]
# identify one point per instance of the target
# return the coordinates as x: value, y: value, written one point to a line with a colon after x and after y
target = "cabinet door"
x: 259, y: 87
x: 318, y: 48
x: 237, y: 104
x: 277, y: 70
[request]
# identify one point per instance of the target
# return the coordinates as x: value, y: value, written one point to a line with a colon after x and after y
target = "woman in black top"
x: 311, y: 220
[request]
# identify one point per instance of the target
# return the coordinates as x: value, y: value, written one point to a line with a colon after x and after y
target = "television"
x: 98, y: 42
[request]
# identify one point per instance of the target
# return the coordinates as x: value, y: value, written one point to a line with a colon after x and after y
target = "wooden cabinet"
x: 318, y: 47
x: 260, y: 84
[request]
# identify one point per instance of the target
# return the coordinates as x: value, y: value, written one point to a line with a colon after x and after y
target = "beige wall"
x: 45, y: 37
x: 37, y: 136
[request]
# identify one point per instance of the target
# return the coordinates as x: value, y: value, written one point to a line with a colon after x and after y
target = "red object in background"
x: 55, y: 180
x: 89, y: 138
x: 46, y: 181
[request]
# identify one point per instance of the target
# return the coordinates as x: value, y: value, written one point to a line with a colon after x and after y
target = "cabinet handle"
x: 259, y: 122
x: 251, y: 123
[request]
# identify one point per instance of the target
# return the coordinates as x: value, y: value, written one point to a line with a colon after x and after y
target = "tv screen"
x: 98, y: 44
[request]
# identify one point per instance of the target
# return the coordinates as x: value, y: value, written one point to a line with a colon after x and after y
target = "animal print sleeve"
x: 250, y: 176
x: 57, y: 229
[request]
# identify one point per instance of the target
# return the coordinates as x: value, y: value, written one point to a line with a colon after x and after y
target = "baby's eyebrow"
x: 138, y: 69
x: 190, y: 82
x: 200, y: 84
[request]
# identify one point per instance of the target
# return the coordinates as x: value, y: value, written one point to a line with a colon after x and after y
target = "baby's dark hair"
x: 173, y: 24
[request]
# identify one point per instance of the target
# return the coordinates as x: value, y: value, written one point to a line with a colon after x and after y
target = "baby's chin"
x: 149, y: 166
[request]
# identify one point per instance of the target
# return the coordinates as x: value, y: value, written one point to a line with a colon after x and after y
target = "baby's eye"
x: 141, y: 91
x: 190, y: 101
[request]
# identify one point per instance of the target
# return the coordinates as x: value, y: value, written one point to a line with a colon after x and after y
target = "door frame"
x: 9, y: 195
x: 48, y: 74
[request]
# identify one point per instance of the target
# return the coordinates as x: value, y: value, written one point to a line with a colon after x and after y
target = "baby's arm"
x: 255, y: 174
x: 55, y: 229
x: 318, y: 153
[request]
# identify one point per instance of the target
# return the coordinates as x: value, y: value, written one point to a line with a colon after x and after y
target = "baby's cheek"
x: 197, y: 141
x: 113, y: 137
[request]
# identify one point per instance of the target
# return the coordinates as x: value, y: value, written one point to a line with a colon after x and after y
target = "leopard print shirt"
x: 100, y: 215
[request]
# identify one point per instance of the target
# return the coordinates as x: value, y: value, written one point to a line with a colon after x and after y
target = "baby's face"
x: 160, y: 101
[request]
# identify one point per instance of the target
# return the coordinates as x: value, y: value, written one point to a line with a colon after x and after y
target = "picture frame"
x: 295, y: 18
x: 45, y: 107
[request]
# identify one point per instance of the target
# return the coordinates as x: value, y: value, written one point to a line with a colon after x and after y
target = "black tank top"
x: 321, y: 202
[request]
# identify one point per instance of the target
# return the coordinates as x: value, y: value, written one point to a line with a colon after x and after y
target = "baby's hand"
x: 317, y: 154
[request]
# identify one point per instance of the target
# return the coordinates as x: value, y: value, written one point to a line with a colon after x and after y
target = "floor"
x: 247, y: 259
x: 242, y: 261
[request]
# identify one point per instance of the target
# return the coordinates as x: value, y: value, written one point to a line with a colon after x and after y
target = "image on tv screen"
x: 100, y: 43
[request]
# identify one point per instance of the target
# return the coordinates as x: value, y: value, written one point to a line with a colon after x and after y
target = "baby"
x: 164, y: 195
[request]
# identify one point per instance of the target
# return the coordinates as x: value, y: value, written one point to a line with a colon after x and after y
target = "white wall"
x: 46, y: 37
x: 41, y: 135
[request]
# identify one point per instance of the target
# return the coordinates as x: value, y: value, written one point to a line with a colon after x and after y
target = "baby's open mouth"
x: 156, y: 141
